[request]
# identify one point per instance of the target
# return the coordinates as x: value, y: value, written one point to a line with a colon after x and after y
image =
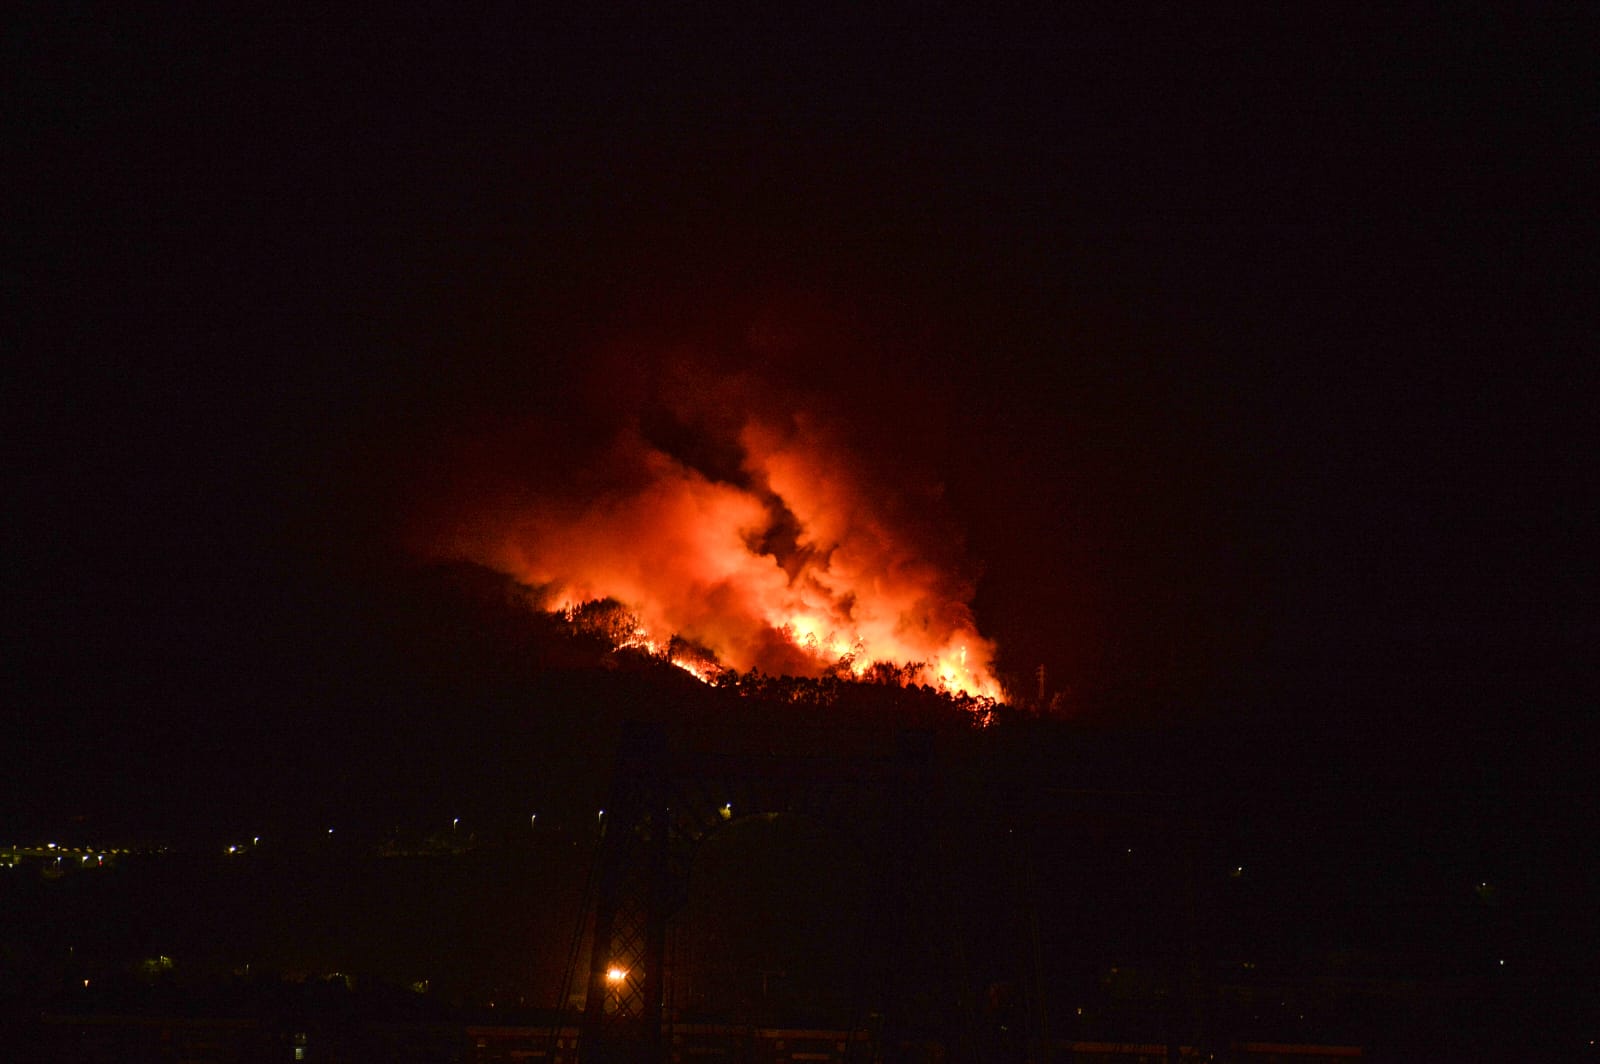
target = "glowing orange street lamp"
x: 615, y: 977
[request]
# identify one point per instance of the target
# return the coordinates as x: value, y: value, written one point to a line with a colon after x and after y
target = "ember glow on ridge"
x: 786, y: 561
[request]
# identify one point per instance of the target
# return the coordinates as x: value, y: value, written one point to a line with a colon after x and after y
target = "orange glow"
x: 699, y: 672
x: 616, y: 975
x: 784, y: 557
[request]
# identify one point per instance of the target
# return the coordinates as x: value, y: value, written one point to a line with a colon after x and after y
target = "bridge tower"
x: 664, y: 802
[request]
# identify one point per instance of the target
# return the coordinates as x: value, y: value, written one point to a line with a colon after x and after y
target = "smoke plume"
x: 725, y: 512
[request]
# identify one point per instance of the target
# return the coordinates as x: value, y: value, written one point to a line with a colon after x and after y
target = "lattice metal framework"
x: 663, y: 804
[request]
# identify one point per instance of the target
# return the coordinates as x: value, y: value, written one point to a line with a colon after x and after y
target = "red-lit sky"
x: 1227, y: 361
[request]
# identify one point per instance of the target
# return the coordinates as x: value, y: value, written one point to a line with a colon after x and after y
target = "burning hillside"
x: 721, y: 530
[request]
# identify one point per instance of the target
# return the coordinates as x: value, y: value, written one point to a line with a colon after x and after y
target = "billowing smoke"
x: 727, y: 514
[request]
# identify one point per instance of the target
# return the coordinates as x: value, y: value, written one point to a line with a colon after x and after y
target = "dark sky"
x: 1250, y: 347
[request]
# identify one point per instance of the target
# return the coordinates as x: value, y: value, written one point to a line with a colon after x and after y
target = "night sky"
x: 1249, y: 352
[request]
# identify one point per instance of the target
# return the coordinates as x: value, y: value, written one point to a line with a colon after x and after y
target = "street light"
x: 615, y: 978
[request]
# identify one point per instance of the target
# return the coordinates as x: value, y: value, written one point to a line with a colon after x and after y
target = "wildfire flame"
x: 775, y: 553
